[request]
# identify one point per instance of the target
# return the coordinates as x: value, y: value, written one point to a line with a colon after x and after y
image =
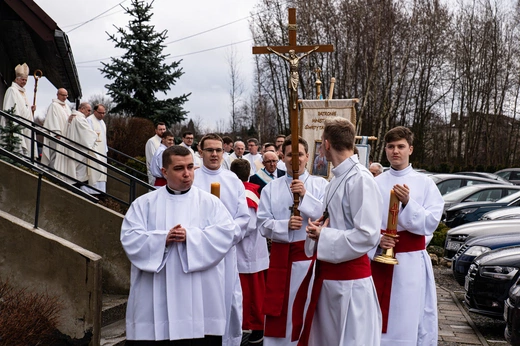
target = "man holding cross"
x: 288, y: 263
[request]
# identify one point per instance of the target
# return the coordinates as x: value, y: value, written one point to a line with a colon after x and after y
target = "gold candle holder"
x: 388, y: 255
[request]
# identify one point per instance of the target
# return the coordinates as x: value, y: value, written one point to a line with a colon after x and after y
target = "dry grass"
x: 27, y: 319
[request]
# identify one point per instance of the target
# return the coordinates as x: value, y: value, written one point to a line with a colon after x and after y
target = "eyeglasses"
x: 270, y: 162
x: 211, y: 150
x: 64, y: 95
x: 189, y: 138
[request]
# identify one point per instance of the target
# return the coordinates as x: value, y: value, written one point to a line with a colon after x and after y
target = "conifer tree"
x: 141, y: 73
x: 10, y: 133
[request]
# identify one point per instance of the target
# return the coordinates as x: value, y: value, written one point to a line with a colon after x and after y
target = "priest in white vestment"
x: 97, y: 176
x: 151, y: 146
x: 78, y: 132
x: 239, y: 149
x: 232, y: 194
x: 16, y: 97
x: 254, y: 157
x: 288, y: 262
x: 176, y: 238
x: 343, y: 308
x: 56, y: 120
x: 410, y: 313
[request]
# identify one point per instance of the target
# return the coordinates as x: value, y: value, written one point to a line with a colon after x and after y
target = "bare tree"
x: 236, y: 86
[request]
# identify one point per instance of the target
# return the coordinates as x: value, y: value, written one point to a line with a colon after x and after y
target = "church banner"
x: 312, y: 117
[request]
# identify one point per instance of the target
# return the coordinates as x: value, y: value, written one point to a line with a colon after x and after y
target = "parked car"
x: 457, y: 236
x: 512, y: 314
x: 477, y: 193
x: 466, y: 212
x: 477, y: 246
x: 484, y: 175
x: 450, y: 182
x: 510, y: 174
x: 502, y: 214
x: 489, y: 279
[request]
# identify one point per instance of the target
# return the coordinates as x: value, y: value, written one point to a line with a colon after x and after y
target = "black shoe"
x: 256, y: 338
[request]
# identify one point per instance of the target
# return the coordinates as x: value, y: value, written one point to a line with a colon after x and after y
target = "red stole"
x: 276, y: 301
x: 383, y: 273
x: 358, y: 268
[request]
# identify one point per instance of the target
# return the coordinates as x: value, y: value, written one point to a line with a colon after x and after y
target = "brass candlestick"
x: 388, y: 255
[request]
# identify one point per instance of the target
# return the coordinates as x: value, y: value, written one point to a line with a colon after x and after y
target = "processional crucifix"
x: 294, y: 77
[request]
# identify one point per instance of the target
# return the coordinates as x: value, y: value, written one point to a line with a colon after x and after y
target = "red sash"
x: 358, y: 268
x: 383, y: 273
x: 276, y: 301
x: 159, y: 182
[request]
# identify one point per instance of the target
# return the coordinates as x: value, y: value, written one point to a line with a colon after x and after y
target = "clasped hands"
x: 314, y: 228
x: 176, y: 235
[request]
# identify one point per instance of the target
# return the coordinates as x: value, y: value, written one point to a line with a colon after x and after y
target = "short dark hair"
x: 227, y: 140
x: 340, y: 133
x: 280, y: 135
x: 184, y: 134
x: 176, y: 150
x: 288, y: 142
x: 159, y: 123
x: 167, y: 133
x: 398, y: 133
x: 210, y: 136
x: 98, y: 105
x: 241, y: 168
x: 269, y: 144
x: 252, y: 140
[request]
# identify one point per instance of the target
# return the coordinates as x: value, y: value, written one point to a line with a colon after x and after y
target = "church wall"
x: 44, y: 263
x: 70, y: 217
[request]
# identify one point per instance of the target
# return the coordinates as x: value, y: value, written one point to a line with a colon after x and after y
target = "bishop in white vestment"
x: 15, y: 96
x: 176, y: 238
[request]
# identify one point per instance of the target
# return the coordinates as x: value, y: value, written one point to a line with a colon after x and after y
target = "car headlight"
x: 498, y: 272
x: 467, y: 211
x: 476, y: 250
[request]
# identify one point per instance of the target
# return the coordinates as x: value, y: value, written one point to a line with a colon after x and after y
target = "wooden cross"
x: 293, y: 48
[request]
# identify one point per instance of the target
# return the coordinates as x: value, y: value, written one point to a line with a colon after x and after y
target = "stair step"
x: 114, y: 308
x: 114, y: 334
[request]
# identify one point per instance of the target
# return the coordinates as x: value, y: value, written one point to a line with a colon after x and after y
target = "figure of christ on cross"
x: 294, y: 77
x: 293, y: 60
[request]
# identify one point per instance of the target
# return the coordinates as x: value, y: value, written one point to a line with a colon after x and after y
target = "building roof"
x: 29, y: 35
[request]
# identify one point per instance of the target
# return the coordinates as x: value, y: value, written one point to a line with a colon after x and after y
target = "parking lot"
x: 457, y: 326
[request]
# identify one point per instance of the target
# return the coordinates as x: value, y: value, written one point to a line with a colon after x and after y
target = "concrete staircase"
x: 113, y: 329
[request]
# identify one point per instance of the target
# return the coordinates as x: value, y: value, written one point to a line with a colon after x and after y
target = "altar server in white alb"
x: 97, y: 176
x: 288, y: 262
x: 16, y: 97
x: 343, y: 308
x: 176, y: 237
x: 56, y: 120
x: 233, y: 195
x: 407, y: 291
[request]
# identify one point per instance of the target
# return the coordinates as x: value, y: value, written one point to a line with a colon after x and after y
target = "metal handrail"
x: 64, y: 142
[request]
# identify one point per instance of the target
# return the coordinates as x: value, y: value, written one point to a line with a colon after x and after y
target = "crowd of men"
x: 201, y: 269
x: 83, y: 129
x: 202, y: 273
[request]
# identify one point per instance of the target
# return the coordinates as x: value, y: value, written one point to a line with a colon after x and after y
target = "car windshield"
x: 510, y: 198
x: 460, y: 194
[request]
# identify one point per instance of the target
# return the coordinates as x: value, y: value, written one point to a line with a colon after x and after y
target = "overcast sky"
x: 206, y: 74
